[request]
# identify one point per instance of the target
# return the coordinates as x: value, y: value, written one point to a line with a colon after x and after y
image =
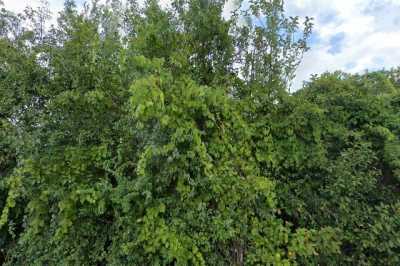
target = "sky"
x: 348, y: 35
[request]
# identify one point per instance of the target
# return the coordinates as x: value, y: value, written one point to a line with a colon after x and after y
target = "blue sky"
x: 349, y: 35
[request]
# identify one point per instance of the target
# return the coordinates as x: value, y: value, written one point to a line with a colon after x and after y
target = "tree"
x: 136, y: 135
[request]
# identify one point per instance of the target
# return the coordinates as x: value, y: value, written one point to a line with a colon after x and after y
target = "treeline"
x: 138, y: 135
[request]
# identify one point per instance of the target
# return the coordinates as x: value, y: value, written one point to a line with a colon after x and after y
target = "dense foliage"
x: 138, y: 135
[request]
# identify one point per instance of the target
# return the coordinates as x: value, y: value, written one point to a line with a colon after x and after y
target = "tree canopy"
x: 135, y: 134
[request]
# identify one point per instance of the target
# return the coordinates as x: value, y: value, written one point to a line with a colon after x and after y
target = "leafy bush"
x: 137, y: 135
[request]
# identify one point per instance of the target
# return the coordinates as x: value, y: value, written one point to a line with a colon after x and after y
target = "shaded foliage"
x: 141, y: 135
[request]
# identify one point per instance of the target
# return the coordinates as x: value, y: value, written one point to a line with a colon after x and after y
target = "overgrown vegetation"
x: 141, y: 135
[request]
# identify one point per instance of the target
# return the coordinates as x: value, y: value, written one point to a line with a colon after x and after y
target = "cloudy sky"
x: 349, y: 35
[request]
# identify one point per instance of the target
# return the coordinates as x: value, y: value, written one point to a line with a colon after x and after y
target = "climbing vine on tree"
x: 138, y: 134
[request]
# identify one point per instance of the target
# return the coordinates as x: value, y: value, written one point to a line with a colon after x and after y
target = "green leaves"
x: 166, y: 136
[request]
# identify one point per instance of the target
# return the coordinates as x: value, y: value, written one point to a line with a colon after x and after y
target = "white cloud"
x: 370, y: 30
x: 19, y: 5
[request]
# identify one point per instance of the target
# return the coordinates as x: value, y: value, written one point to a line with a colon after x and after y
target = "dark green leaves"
x: 142, y: 135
